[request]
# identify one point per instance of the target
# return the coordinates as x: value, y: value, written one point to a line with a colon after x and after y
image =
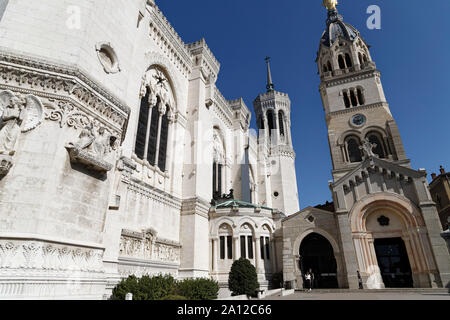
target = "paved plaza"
x: 363, y: 295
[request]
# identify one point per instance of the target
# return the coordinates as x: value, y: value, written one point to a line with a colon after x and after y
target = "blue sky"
x: 411, y: 50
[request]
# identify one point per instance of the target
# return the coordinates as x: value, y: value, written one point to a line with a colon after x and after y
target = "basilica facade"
x: 119, y: 156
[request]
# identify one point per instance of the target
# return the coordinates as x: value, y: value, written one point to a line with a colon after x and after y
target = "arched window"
x: 379, y: 149
x: 226, y: 242
x: 281, y: 122
x: 153, y: 124
x: 353, y: 98
x: 329, y: 66
x: 218, y: 164
x: 348, y: 60
x: 163, y: 142
x: 361, y: 97
x: 141, y: 136
x: 354, y: 153
x: 271, y: 121
x: 364, y: 58
x: 360, y: 58
x: 325, y: 68
x: 341, y: 62
x: 346, y: 100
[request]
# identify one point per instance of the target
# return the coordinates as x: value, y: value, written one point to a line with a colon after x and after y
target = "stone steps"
x: 388, y: 290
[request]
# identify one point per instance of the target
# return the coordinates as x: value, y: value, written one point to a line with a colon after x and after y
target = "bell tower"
x: 355, y: 106
x: 275, y: 151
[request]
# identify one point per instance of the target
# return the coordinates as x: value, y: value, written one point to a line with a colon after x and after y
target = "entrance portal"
x: 316, y: 253
x: 394, y: 263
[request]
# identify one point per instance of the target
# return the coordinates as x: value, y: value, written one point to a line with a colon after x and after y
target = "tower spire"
x: 270, y: 86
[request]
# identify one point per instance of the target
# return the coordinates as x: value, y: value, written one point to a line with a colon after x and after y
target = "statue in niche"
x: 18, y: 115
x: 92, y: 148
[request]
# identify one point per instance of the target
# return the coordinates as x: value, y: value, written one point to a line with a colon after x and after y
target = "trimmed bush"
x: 243, y: 278
x: 198, y: 289
x: 129, y: 285
x: 174, y: 297
x: 157, y: 287
x: 166, y: 288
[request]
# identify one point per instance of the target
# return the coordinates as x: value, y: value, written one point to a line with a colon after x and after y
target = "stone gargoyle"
x: 93, y: 148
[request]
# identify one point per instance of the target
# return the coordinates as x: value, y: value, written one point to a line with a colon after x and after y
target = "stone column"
x: 277, y: 127
x: 147, y: 135
x: 162, y: 111
x: 215, y: 248
x: 237, y: 248
x: 273, y: 255
x: 258, y: 254
x: 170, y: 147
x: 266, y: 128
x: 348, y: 253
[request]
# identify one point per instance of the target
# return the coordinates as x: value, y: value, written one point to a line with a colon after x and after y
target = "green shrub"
x: 243, y: 278
x: 129, y: 285
x: 174, y: 297
x: 166, y: 288
x: 156, y: 287
x: 198, y: 289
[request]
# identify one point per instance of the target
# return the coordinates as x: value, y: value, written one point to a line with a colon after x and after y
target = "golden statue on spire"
x: 330, y: 4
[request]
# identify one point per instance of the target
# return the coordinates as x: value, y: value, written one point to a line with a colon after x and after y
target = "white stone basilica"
x: 119, y: 156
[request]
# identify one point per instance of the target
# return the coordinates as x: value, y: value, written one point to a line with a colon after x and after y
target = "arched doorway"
x: 316, y: 253
x: 393, y: 262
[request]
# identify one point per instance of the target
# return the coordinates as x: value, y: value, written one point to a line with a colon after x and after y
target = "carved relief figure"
x: 12, y: 118
x: 19, y: 114
x: 93, y: 148
x: 367, y: 148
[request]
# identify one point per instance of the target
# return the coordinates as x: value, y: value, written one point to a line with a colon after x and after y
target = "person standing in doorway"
x: 309, y: 277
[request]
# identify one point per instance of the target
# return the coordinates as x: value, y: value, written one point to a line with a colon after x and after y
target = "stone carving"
x: 19, y: 114
x: 367, y: 148
x: 42, y: 255
x: 160, y: 91
x: 146, y: 246
x: 92, y: 148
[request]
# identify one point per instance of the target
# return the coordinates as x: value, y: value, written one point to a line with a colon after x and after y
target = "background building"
x: 385, y: 228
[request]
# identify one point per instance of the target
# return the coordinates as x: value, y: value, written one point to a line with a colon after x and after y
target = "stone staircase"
x: 387, y: 290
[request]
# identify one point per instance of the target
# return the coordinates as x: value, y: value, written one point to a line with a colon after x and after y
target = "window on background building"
x: 243, y: 248
x: 267, y: 244
x: 379, y: 149
x: 230, y: 247
x: 222, y: 248
x: 147, y: 143
x: 281, y: 122
x: 353, y: 98
x: 348, y: 60
x: 261, y: 240
x: 329, y: 66
x: 341, y: 62
x: 271, y: 121
x: 346, y: 100
x: 250, y: 247
x: 354, y: 153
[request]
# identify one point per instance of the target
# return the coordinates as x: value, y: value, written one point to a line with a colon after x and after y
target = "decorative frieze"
x: 50, y: 81
x: 21, y: 255
x: 146, y: 246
